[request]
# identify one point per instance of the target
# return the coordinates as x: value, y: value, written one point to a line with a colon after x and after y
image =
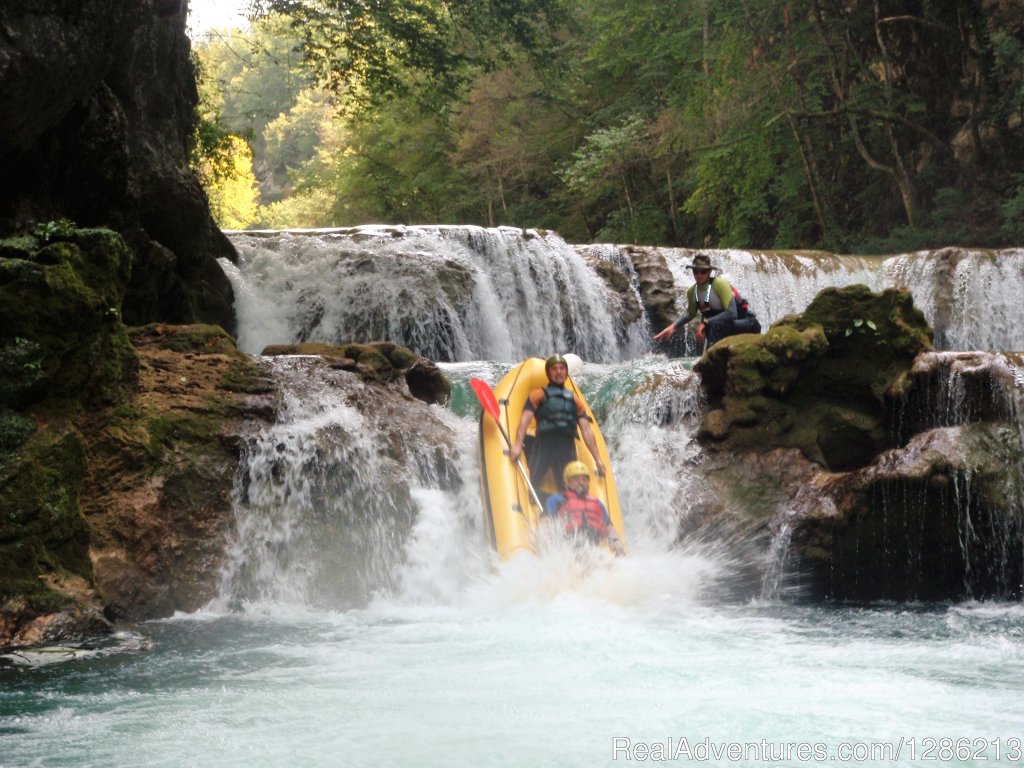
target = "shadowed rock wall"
x: 97, y: 107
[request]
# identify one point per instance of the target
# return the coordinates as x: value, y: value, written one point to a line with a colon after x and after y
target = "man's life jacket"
x: 585, y: 515
x: 708, y: 309
x: 557, y: 411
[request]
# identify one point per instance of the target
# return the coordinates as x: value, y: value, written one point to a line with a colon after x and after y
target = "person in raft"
x: 585, y: 516
x: 722, y: 310
x: 558, y: 415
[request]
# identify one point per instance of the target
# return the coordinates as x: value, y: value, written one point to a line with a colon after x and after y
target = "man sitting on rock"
x: 722, y: 310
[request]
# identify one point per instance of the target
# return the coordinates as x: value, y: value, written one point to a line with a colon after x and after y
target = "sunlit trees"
x: 230, y: 184
x: 883, y: 124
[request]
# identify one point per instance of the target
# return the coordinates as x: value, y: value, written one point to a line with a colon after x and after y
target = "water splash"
x: 323, y: 506
x: 649, y: 414
x: 450, y: 293
x: 777, y: 560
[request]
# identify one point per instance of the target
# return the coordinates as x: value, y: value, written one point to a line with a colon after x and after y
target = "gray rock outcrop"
x: 97, y: 111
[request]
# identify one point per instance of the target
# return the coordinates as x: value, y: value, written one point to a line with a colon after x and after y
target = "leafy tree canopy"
x: 873, y: 126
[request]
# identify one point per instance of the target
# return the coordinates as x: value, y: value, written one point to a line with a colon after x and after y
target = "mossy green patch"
x: 816, y: 381
x: 63, y: 300
x: 41, y: 528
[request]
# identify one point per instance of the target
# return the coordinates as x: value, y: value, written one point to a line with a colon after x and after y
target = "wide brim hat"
x: 702, y: 261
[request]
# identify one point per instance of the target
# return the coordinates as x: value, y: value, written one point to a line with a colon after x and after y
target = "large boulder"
x: 819, y: 381
x: 865, y: 465
x: 122, y: 509
x: 937, y: 519
x: 98, y: 111
x: 157, y: 496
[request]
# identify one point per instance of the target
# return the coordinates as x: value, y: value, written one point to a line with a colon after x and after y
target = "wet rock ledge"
x: 869, y: 466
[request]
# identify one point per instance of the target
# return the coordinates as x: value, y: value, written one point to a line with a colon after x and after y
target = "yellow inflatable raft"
x: 510, y: 513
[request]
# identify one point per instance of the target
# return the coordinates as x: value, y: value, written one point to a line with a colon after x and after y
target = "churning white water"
x: 467, y: 293
x: 454, y: 660
x: 363, y: 621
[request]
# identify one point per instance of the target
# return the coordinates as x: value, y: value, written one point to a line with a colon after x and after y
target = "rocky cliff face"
x: 880, y: 469
x: 118, y: 447
x: 97, y: 105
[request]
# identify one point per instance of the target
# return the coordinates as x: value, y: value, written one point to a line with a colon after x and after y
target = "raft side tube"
x: 510, y: 516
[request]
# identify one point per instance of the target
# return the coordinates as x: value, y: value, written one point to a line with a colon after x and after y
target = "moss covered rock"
x: 115, y: 477
x: 157, y: 496
x: 819, y: 381
x: 63, y: 354
x: 99, y: 115
x: 60, y: 329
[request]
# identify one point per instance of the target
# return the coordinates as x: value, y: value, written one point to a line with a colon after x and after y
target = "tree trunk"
x: 672, y: 207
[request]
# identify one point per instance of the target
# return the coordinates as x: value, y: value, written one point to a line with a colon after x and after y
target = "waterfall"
x: 933, y: 534
x: 334, y: 506
x: 450, y: 293
x: 971, y: 297
x: 324, y: 498
x: 468, y: 293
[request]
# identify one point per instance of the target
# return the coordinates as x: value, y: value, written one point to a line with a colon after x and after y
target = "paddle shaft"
x: 490, y: 404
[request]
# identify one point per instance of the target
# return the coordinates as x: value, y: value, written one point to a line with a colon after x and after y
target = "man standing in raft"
x: 558, y: 415
x: 585, y: 516
x: 723, y: 311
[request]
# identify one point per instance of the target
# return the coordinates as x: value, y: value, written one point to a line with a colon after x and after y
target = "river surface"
x: 546, y: 661
x: 580, y: 672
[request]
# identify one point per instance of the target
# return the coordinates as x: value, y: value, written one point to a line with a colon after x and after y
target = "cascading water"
x: 363, y: 621
x: 970, y: 297
x: 450, y: 293
x: 459, y: 293
x: 325, y: 498
x: 938, y: 537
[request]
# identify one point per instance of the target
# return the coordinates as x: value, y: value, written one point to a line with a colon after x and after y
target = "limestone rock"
x: 818, y: 382
x: 938, y: 519
x: 382, y: 361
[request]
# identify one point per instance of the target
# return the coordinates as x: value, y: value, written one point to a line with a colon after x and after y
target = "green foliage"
x: 53, y: 230
x: 642, y: 224
x: 20, y: 369
x: 15, y: 429
x: 733, y: 123
x: 1013, y: 214
x: 230, y: 184
x: 604, y: 155
x: 373, y: 49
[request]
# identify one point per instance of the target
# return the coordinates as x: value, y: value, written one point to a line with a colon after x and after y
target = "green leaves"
x: 377, y: 49
x: 748, y: 123
x: 52, y: 230
x: 860, y: 324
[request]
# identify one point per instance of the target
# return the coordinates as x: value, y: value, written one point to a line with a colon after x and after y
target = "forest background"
x: 857, y: 126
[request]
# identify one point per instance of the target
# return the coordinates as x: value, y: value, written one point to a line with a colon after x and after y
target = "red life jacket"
x: 584, y: 514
